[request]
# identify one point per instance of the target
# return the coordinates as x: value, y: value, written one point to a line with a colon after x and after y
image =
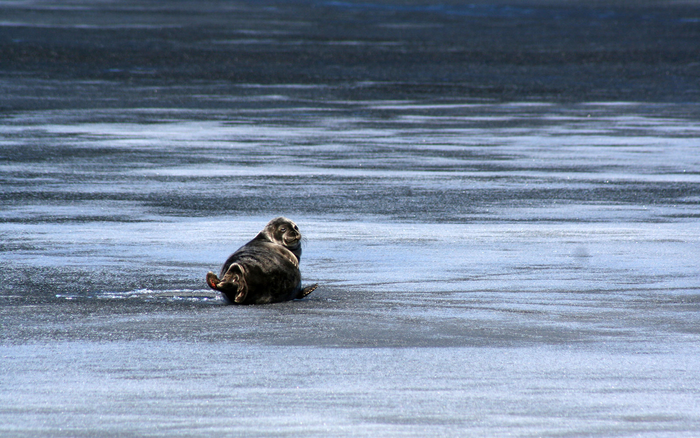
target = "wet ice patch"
x: 150, y: 295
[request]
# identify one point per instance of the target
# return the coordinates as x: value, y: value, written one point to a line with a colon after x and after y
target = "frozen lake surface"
x: 526, y: 267
x: 486, y: 269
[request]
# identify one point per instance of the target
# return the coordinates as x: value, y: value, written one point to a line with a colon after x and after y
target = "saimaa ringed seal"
x: 264, y: 270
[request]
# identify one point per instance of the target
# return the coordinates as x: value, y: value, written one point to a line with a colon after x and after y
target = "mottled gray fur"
x: 264, y: 270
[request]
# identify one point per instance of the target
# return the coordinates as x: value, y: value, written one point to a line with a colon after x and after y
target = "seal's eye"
x: 283, y: 230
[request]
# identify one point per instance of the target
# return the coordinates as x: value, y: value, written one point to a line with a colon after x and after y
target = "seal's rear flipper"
x: 233, y: 285
x: 212, y: 280
x: 307, y: 290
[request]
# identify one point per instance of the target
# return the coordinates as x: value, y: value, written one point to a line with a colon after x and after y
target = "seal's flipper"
x: 220, y: 285
x: 234, y: 283
x: 307, y: 290
x: 212, y: 280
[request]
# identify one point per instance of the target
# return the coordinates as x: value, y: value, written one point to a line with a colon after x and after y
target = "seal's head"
x: 283, y: 232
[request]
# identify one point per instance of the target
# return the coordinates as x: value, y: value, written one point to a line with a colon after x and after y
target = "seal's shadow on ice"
x: 264, y: 270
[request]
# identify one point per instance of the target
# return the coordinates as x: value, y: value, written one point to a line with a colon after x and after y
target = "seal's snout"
x: 295, y: 234
x: 292, y: 237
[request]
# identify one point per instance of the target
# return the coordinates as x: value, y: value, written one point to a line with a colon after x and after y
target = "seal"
x: 264, y: 270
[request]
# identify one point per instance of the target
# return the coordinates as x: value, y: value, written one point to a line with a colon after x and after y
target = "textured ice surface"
x: 494, y: 259
x: 492, y: 269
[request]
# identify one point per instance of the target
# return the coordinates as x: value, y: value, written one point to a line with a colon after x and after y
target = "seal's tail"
x: 307, y: 290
